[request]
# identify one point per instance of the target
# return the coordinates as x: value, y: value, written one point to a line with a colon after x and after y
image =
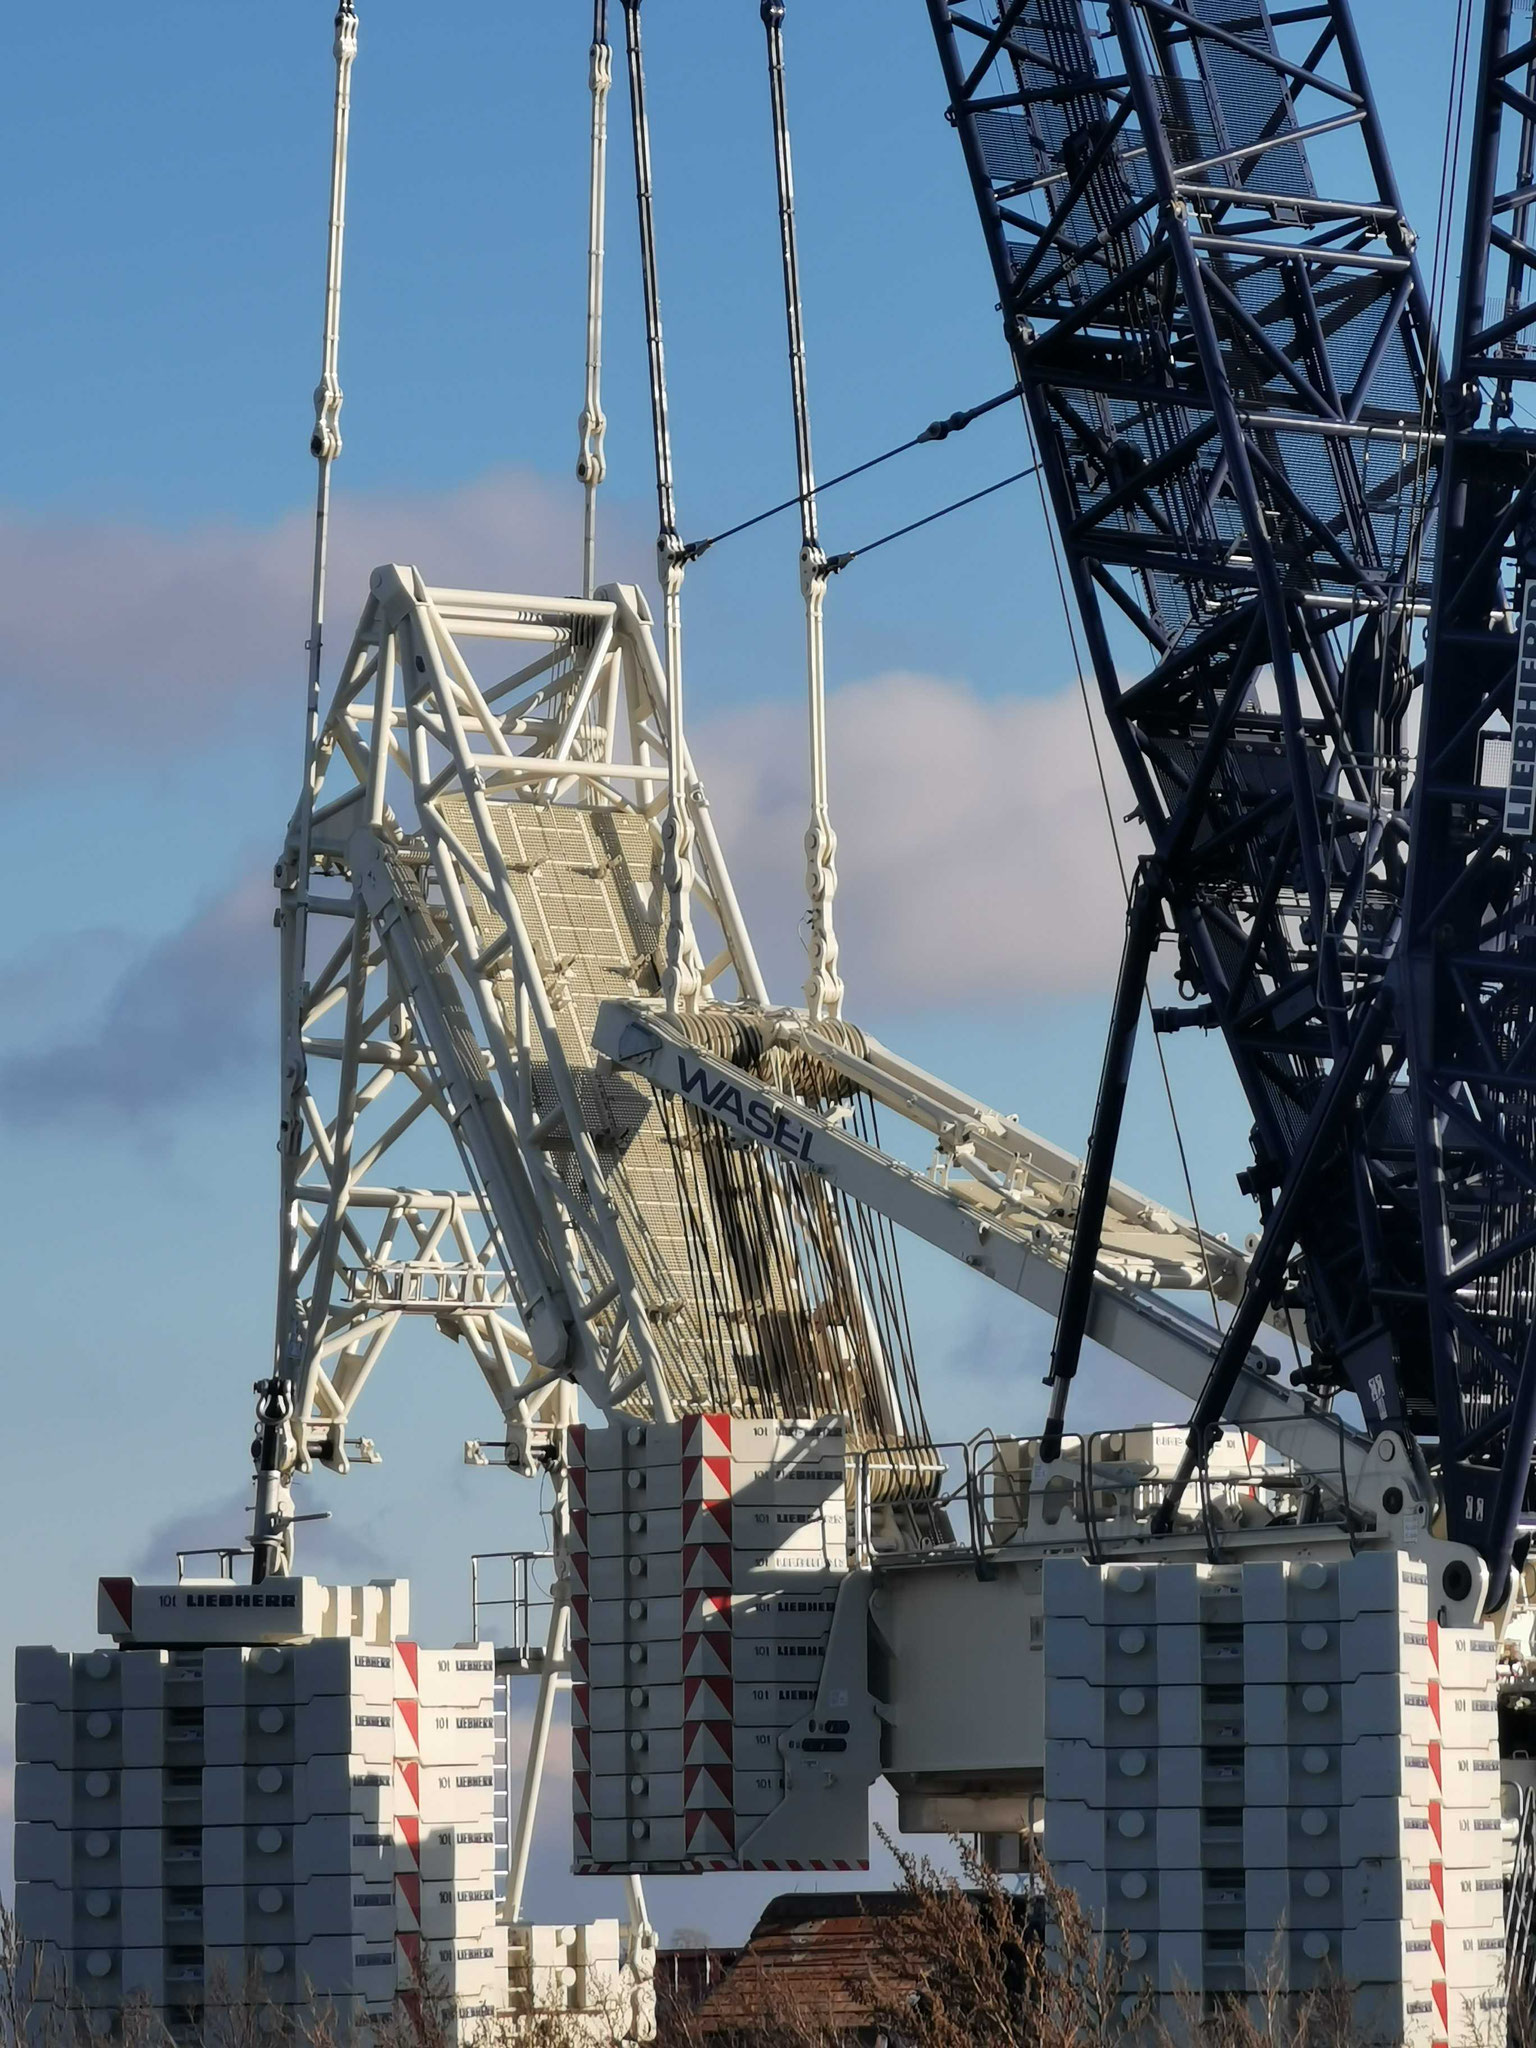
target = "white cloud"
x: 191, y: 1013
x: 974, y: 857
x: 975, y: 860
x: 975, y: 868
x: 133, y: 639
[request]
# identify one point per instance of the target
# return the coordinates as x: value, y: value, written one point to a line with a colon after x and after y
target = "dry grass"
x: 40, y: 2009
x: 972, y: 1961
x: 966, y: 1962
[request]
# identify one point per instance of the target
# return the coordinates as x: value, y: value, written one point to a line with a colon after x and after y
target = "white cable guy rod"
x: 681, y: 979
x: 823, y: 984
x: 273, y: 1518
x: 325, y: 441
x: 590, y: 465
x: 325, y: 446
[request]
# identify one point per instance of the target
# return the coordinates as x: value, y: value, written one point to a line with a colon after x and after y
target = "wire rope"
x: 1439, y: 279
x: 937, y: 430
x: 836, y: 563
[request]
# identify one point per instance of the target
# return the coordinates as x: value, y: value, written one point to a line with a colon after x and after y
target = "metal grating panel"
x: 1252, y: 101
x: 747, y: 1281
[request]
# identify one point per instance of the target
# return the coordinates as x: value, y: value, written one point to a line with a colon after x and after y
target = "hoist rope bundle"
x: 799, y: 1287
x: 746, y: 1039
x: 799, y: 1296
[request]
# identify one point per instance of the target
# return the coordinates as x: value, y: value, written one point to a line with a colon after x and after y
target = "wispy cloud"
x: 135, y: 640
x: 190, y: 1014
x: 46, y: 975
x: 975, y: 868
x: 340, y: 1551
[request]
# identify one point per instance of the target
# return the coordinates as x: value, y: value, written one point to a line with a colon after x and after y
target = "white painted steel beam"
x: 1156, y: 1336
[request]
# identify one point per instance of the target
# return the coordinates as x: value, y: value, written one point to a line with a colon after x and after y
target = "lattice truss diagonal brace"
x: 1225, y: 370
x: 1470, y: 969
x: 475, y: 868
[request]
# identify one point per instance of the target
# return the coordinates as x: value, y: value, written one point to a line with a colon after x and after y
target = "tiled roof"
x: 810, y: 1954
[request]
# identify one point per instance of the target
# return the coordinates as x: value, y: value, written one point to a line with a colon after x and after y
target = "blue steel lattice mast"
x: 1227, y: 371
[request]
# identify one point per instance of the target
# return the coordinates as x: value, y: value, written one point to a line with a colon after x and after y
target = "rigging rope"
x: 823, y: 983
x: 839, y: 562
x: 590, y: 465
x: 681, y: 980
x: 801, y: 1309
x: 937, y: 430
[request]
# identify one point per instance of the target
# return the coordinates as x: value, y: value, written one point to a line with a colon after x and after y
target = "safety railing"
x: 510, y: 1597
x: 993, y: 1493
x: 226, y: 1553
x: 424, y: 1284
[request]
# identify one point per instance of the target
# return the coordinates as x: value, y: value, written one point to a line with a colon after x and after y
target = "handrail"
x: 994, y: 1488
x: 226, y: 1553
x: 525, y: 1600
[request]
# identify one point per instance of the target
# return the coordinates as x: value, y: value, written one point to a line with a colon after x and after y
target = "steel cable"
x: 938, y: 430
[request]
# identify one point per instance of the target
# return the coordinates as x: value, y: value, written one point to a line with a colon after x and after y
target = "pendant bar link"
x: 682, y: 981
x: 591, y: 466
x: 273, y: 1515
x: 823, y: 984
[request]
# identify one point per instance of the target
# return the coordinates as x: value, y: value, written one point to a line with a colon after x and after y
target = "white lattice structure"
x: 475, y: 871
x: 472, y: 866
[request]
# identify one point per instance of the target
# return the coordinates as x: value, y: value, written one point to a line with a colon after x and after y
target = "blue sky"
x: 162, y: 237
